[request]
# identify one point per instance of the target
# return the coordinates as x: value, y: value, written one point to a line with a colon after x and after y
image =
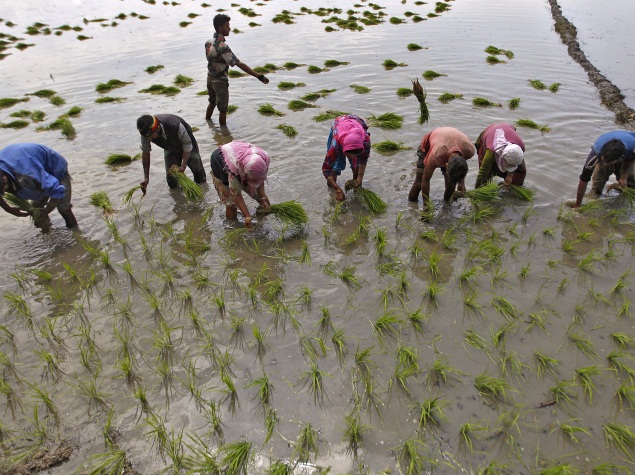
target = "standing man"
x: 500, y: 152
x: 612, y: 153
x: 39, y: 174
x: 446, y: 148
x: 219, y: 58
x: 175, y: 137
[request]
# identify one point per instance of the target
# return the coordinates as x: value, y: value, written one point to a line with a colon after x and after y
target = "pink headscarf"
x: 351, y: 134
x: 249, y: 162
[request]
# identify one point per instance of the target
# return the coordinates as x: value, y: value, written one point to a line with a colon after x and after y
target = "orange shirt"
x: 442, y: 142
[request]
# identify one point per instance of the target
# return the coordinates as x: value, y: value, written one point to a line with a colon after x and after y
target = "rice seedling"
x: 328, y: 115
x: 298, y: 105
x: 120, y: 159
x: 312, y: 69
x: 513, y: 103
x: 41, y: 395
x: 387, y: 326
x: 19, y: 308
x: 563, y: 392
x: 430, y: 413
x: 287, y: 130
x: 625, y: 395
x: 505, y: 308
x: 182, y: 81
x: 468, y: 433
x: 583, y: 343
x: 493, y: 388
x: 371, y: 200
x: 306, y: 446
x: 265, y: 390
x: 615, y: 359
x: 532, y: 125
x: 109, y: 463
x: 522, y: 193
x: 389, y: 146
x: 161, y: 89
x: 103, y: 88
x: 339, y: 345
x: 537, y: 84
x: 285, y: 85
x: 57, y: 101
x: 620, y: 437
x: 570, y: 431
x: 390, y: 64
x: 389, y: 121
x: 429, y: 75
x: 584, y: 376
x: 410, y: 459
x: 92, y: 391
x: 153, y: 69
x: 191, y: 190
x: 51, y: 364
x: 447, y: 97
x: 280, y: 467
x: 7, y: 102
x: 608, y: 468
x: 259, y: 341
x: 483, y: 102
x: 15, y: 124
x: 623, y: 340
x: 268, y: 109
x: 475, y: 340
x: 235, y: 457
x: 442, y: 373
x: 498, y: 336
x: 290, y: 212
x: 360, y: 89
x: 354, y: 434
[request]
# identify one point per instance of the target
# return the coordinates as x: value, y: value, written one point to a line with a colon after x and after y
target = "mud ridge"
x: 610, y: 95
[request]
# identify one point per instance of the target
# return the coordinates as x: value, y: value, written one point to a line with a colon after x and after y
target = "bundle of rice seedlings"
x: 532, y: 125
x: 74, y: 111
x: 390, y: 64
x: 447, y: 97
x: 110, y: 85
x: 491, y: 59
x: 494, y: 50
x: 14, y: 124
x: 522, y: 193
x: 288, y: 130
x: 404, y: 92
x: 231, y: 108
x: 120, y: 158
x: 268, y: 109
x: 314, y: 69
x: 360, y: 89
x: 286, y: 85
x: 328, y: 115
x: 232, y: 73
x: 314, y: 96
x: 191, y: 190
x: 414, y: 47
x: 332, y: 63
x: 429, y: 75
x: 292, y: 65
x: 57, y: 101
x: 22, y: 114
x: 298, y: 105
x: 101, y: 200
x: 183, y: 81
x: 486, y: 193
x: 420, y: 93
x: 24, y: 205
x: 629, y: 194
x: 43, y: 93
x: 371, y: 200
x: 388, y: 146
x: 481, y: 101
x: 65, y: 126
x: 128, y: 196
x: 10, y: 101
x: 537, y: 84
x: 153, y: 69
x: 290, y: 212
x: 554, y: 87
x: 513, y: 103
x: 108, y: 99
x: 161, y: 89
x: 389, y: 120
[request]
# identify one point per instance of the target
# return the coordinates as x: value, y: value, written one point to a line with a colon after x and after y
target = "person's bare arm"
x: 339, y: 193
x: 261, y: 77
x: 580, y: 194
x: 242, y: 206
x: 145, y: 159
x: 263, y: 199
x: 11, y: 210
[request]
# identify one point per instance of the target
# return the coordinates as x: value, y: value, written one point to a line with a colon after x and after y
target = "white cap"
x: 512, y: 157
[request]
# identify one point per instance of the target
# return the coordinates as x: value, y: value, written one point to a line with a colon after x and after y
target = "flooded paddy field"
x: 495, y: 338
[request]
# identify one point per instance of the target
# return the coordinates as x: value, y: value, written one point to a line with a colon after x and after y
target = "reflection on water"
x: 158, y: 302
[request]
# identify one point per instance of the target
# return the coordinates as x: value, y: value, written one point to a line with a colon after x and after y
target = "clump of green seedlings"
x: 298, y: 105
x: 288, y: 130
x: 233, y: 74
x: 108, y: 99
x: 532, y: 125
x: 313, y: 96
x: 7, y: 102
x: 389, y: 121
x: 14, y: 124
x: 161, y: 89
x: 414, y: 47
x: 404, y: 92
x: 314, y: 69
x: 389, y: 146
x: 447, y: 97
x: 420, y: 93
x: 513, y: 103
x: 537, y: 84
x: 306, y: 446
x: 328, y: 115
x: 555, y: 87
x: 290, y: 212
x: 493, y: 388
x: 101, y: 200
x: 483, y: 102
x: 360, y: 89
x: 182, y: 81
x: 371, y: 200
x: 333, y: 63
x: 484, y: 194
x: 268, y: 109
x: 153, y: 69
x: 120, y: 159
x: 291, y: 65
x: 522, y: 193
x: 104, y: 87
x: 64, y: 126
x: 191, y: 190
x: 43, y: 93
x: 390, y: 64
x: 620, y: 437
x: 286, y: 85
x: 429, y: 75
x: 410, y: 459
x: 491, y: 59
x: 57, y: 101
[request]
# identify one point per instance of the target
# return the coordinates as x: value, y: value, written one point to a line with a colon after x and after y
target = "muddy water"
x: 574, y: 263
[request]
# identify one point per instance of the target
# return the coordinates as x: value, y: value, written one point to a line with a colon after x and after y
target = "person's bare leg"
x: 210, y: 111
x: 222, y: 118
x: 231, y: 213
x: 413, y: 195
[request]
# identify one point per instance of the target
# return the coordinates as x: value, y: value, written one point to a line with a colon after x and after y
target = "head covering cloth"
x: 247, y: 161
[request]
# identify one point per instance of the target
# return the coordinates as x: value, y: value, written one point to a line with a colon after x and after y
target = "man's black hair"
x: 220, y: 20
x: 457, y: 168
x: 144, y: 123
x: 613, y: 151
